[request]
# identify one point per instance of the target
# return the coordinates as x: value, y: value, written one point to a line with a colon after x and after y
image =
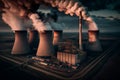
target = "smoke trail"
x: 13, y: 20
x: 38, y: 24
x: 63, y: 5
x: 25, y: 7
x: 74, y: 8
x: 16, y: 13
x: 91, y: 24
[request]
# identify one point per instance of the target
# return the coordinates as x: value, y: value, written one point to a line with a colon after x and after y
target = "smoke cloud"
x: 38, y: 24
x: 74, y: 8
x: 24, y: 8
x: 14, y: 21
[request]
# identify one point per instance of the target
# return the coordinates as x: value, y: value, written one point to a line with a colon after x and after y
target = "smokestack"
x: 45, y: 48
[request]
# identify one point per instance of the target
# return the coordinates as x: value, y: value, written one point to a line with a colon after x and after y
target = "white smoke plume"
x: 51, y: 22
x: 13, y: 15
x: 80, y: 9
x: 25, y: 7
x: 74, y: 8
x: 91, y: 24
x: 63, y: 5
x: 60, y: 4
x: 14, y: 21
x: 38, y: 24
x: 14, y: 8
x: 71, y: 11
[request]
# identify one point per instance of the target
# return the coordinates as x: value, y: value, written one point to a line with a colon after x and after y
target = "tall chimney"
x: 21, y: 45
x: 45, y: 48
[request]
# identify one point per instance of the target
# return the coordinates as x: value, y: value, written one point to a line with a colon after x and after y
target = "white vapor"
x: 14, y: 21
x: 38, y: 24
x: 74, y: 8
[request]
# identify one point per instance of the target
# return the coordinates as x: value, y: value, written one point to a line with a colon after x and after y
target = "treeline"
x: 101, y: 4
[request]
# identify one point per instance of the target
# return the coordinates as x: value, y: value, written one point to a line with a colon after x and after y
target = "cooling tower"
x: 33, y: 39
x: 21, y: 45
x: 45, y: 48
x: 17, y: 24
x: 57, y: 37
x: 93, y: 41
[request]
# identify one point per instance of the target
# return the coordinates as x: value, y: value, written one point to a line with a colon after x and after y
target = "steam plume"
x: 25, y: 7
x: 74, y: 8
x: 14, y: 21
x: 38, y: 24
